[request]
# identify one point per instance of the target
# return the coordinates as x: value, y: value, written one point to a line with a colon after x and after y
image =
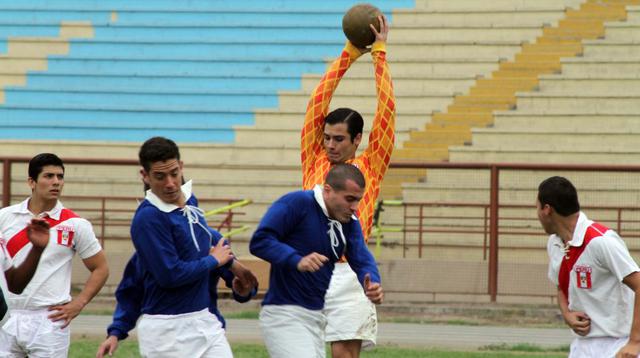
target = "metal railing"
x: 110, y: 215
x: 494, y: 224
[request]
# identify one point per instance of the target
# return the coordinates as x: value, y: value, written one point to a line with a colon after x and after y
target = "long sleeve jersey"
x: 293, y: 227
x: 374, y: 161
x: 173, y: 245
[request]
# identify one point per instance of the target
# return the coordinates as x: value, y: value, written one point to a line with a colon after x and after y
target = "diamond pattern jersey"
x: 374, y: 161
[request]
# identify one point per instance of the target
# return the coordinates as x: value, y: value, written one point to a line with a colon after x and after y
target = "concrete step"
x: 503, y: 5
x: 605, y: 49
x: 410, y: 104
x: 247, y: 135
x: 460, y: 50
x: 520, y: 196
x: 444, y: 63
x: 590, y: 87
x: 464, y: 35
x: 523, y: 120
x: 210, y: 154
x: 287, y: 51
x: 623, y: 31
x: 541, y: 155
x: 525, y: 179
x: 561, y: 103
x: 627, y: 69
x: 402, y: 85
x: 273, y: 119
x: 481, y: 19
x: 555, y: 140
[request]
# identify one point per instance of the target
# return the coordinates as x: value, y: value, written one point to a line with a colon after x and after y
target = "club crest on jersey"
x: 65, y: 235
x: 583, y: 276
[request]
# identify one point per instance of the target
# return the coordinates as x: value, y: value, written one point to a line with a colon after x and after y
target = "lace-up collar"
x: 333, y: 224
x: 193, y: 214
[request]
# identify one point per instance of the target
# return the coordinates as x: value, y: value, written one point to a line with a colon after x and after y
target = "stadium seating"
x: 186, y: 70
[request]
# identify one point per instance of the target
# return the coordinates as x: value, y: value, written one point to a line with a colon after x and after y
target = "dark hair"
x: 42, y: 160
x: 157, y: 149
x: 352, y: 118
x: 340, y: 173
x: 560, y: 194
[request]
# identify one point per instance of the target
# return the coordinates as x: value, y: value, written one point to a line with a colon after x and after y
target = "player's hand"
x: 312, y: 262
x: 579, y: 322
x: 221, y: 252
x: 244, y: 274
x: 109, y: 346
x: 38, y: 233
x: 384, y: 29
x: 373, y: 290
x: 630, y: 350
x: 241, y: 288
x: 66, y: 312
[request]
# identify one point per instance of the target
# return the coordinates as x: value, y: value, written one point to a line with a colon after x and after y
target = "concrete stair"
x: 511, y: 85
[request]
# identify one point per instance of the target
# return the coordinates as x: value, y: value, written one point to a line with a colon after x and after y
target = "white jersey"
x: 595, y: 262
x: 5, y: 264
x: 69, y: 234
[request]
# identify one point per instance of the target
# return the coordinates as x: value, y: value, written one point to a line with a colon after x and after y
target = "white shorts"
x: 292, y: 331
x: 195, y: 334
x: 350, y: 315
x: 32, y: 332
x: 597, y: 347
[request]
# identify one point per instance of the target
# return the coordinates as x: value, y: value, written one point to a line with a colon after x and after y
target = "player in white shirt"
x: 15, y: 279
x: 40, y: 315
x: 598, y: 281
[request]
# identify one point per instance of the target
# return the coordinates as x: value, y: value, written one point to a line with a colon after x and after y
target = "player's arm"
x: 242, y: 282
x: 267, y: 241
x: 382, y: 136
x: 318, y: 107
x: 243, y: 285
x: 19, y: 277
x: 97, y: 265
x: 632, y: 348
x: 578, y: 321
x: 364, y: 265
x: 152, y: 237
x: 129, y: 295
x: 88, y: 248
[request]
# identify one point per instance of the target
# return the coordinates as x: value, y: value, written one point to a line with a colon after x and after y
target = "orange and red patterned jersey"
x: 374, y: 161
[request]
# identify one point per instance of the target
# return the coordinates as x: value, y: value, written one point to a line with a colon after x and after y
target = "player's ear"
x: 145, y: 176
x: 32, y: 183
x: 357, y: 139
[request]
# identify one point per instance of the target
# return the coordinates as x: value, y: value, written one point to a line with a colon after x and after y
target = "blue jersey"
x: 173, y: 245
x: 295, y: 226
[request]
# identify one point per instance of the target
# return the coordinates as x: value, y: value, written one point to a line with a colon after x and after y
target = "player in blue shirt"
x: 302, y: 235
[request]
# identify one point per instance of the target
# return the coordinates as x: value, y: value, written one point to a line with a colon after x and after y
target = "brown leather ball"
x: 355, y: 24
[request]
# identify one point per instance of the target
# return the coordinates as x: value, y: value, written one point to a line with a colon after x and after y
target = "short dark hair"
x: 42, y: 160
x: 340, y: 173
x: 157, y: 149
x: 560, y: 194
x: 352, y: 118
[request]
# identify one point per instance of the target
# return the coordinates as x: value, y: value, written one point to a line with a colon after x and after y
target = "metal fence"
x: 472, y: 228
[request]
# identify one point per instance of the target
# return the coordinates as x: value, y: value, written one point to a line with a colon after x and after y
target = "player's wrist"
x: 379, y: 46
x: 352, y: 51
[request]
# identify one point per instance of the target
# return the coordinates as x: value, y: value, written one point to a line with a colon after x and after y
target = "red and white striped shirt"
x: 590, y: 273
x: 69, y: 234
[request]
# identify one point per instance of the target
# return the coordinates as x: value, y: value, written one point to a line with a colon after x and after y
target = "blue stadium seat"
x: 189, y: 70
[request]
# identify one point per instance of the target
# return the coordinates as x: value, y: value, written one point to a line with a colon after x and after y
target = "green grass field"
x: 83, y: 348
